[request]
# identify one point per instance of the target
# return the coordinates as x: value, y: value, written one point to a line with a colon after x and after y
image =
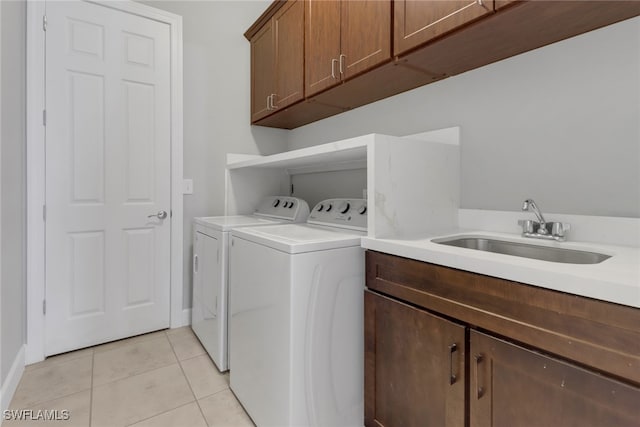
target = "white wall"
x: 216, y: 103
x: 560, y: 124
x: 12, y: 332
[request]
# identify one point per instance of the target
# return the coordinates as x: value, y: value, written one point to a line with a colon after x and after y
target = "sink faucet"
x: 529, y: 204
x: 541, y: 229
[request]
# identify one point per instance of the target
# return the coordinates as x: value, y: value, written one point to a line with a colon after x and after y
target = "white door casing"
x: 108, y: 183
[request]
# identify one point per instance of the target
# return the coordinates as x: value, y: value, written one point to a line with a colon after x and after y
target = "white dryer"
x: 210, y: 268
x: 296, y: 318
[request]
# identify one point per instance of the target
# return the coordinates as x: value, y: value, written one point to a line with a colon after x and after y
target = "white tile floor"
x: 162, y: 379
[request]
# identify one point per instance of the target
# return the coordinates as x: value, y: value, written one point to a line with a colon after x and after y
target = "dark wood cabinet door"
x: 322, y: 45
x: 262, y: 71
x: 365, y: 35
x: 414, y: 366
x: 512, y: 386
x: 289, y: 53
x: 419, y: 21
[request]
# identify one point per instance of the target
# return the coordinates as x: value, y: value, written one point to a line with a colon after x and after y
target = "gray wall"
x: 216, y: 103
x: 13, y: 179
x: 560, y: 124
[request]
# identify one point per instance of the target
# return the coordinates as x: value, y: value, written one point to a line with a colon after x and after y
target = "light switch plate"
x: 187, y: 186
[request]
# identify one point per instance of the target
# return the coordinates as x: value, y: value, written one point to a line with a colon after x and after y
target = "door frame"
x: 36, y: 195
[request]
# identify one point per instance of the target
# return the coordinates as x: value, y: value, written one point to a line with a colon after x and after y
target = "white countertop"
x: 616, y: 279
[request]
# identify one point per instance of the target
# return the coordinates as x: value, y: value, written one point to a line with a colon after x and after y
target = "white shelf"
x: 331, y: 156
x: 412, y: 182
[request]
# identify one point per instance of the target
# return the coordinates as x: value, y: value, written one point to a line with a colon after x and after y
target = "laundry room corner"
x: 216, y: 118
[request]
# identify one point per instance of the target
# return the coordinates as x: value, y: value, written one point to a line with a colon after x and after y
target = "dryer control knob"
x: 362, y: 210
x: 291, y: 204
x: 276, y: 203
x: 344, y: 207
x: 286, y: 205
x: 320, y: 207
x: 329, y: 207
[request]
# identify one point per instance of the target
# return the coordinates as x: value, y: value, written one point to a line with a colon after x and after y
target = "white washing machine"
x: 296, y: 318
x: 210, y: 268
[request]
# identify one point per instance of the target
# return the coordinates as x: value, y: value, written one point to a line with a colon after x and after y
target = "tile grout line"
x: 189, y: 383
x: 39, y: 402
x: 141, y: 372
x: 161, y: 413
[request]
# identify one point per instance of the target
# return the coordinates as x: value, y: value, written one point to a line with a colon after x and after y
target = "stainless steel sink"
x: 567, y: 256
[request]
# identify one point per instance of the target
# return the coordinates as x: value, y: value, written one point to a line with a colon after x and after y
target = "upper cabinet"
x: 277, y: 58
x: 419, y: 21
x: 344, y: 38
x: 312, y: 59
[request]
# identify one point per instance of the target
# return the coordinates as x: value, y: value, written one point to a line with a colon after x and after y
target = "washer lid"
x: 300, y: 238
x: 226, y: 223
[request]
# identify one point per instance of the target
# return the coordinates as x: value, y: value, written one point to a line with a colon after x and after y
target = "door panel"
x: 512, y: 386
x: 107, y: 169
x: 289, y: 39
x: 87, y: 273
x: 139, y: 111
x: 140, y: 274
x: 87, y: 137
x: 373, y: 18
x: 262, y: 72
x: 322, y: 45
x: 419, y: 21
x: 414, y: 366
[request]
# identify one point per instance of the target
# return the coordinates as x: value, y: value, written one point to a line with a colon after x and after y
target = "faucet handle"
x: 527, y: 225
x: 559, y: 228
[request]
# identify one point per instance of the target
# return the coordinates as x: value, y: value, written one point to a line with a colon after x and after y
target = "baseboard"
x: 186, y: 317
x: 13, y: 378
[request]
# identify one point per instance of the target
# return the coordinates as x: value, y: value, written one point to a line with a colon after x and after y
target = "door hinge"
x: 44, y: 212
x: 44, y: 306
x: 44, y: 22
x: 44, y: 117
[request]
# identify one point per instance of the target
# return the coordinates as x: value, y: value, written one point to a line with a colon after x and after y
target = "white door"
x: 107, y: 170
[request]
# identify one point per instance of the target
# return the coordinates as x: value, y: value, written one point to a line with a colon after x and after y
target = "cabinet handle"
x: 479, y: 358
x: 452, y: 377
x: 269, y: 102
x: 333, y: 68
x: 273, y: 103
x: 342, y: 58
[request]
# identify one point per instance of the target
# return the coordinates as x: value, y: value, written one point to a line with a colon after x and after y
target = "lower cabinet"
x: 435, y: 356
x: 414, y: 366
x: 512, y: 386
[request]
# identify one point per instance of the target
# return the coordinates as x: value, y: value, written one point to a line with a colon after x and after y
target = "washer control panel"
x: 344, y: 213
x: 283, y: 207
